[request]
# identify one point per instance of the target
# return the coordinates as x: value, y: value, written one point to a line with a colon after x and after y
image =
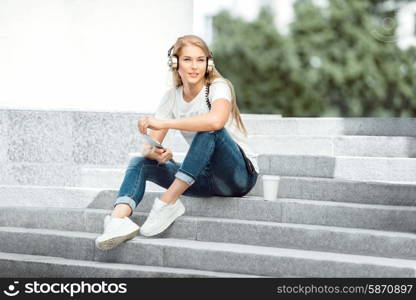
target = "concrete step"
x: 37, y: 266
x: 47, y: 196
x: 343, y: 190
x: 332, y: 126
x: 207, y: 256
x: 353, y: 168
x: 260, y: 233
x: 371, y: 146
x: 342, y: 167
x: 298, y: 211
x: 313, y: 188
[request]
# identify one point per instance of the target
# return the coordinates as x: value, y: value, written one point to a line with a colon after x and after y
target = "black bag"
x: 249, y: 165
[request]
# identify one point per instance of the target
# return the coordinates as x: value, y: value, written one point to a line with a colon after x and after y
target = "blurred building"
x: 406, y: 31
x: 88, y: 55
x: 247, y: 9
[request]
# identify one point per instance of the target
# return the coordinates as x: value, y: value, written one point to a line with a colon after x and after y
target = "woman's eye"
x: 199, y: 60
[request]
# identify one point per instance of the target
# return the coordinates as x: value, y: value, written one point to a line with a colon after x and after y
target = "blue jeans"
x: 213, y: 166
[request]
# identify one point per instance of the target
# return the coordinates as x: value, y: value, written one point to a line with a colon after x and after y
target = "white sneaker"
x: 161, y: 217
x: 116, y: 231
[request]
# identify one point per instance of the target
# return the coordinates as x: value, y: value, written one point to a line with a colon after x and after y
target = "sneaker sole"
x: 115, y: 241
x: 165, y: 225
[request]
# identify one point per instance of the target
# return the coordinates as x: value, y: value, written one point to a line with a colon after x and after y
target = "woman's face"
x: 192, y: 65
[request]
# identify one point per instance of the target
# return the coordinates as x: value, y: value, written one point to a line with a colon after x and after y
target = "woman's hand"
x: 163, y: 155
x: 151, y: 123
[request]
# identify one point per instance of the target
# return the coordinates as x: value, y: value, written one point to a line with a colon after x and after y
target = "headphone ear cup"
x: 210, y: 66
x: 173, y: 62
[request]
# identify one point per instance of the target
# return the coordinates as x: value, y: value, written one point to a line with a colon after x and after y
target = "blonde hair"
x: 209, y: 76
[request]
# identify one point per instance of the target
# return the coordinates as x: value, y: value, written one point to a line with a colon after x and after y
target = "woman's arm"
x: 214, y: 120
x: 159, y: 135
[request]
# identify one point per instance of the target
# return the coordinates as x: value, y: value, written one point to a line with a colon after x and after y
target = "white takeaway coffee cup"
x: 270, y: 187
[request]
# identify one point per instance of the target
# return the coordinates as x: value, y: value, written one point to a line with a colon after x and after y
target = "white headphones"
x: 173, y: 61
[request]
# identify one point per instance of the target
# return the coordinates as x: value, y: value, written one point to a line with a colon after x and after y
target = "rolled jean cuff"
x: 126, y: 200
x: 182, y: 175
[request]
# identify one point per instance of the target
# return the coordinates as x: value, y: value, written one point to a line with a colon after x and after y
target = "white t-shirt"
x: 173, y: 106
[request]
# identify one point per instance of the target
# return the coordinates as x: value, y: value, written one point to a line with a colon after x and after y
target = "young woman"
x: 202, y: 105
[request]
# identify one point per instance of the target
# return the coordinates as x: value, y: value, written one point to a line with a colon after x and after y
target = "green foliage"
x: 339, y: 60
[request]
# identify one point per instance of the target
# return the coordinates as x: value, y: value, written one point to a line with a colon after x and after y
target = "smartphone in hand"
x: 154, y: 143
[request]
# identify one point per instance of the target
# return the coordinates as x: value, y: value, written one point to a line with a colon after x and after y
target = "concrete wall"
x: 97, y: 55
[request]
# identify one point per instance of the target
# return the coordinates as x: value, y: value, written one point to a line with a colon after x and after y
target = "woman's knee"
x: 137, y: 162
x: 209, y: 134
x: 203, y: 134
